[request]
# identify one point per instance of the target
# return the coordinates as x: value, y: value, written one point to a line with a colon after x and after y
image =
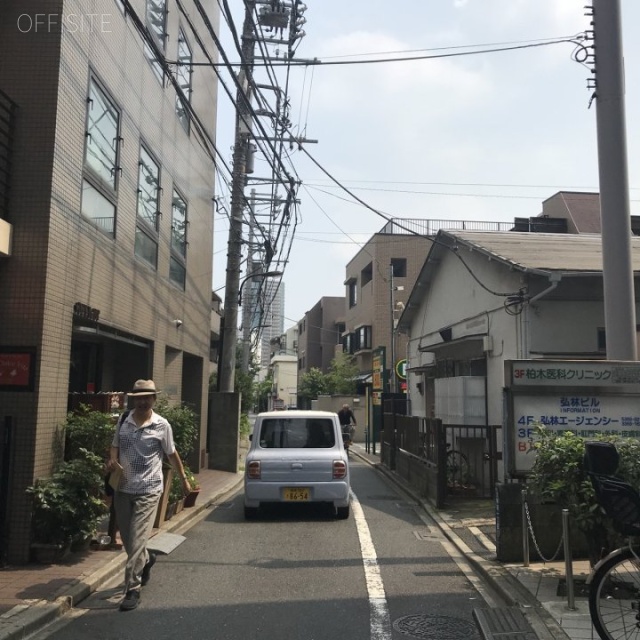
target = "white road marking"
x: 485, y: 540
x: 380, y: 621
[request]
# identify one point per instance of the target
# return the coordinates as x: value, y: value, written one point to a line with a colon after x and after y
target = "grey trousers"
x: 135, y: 515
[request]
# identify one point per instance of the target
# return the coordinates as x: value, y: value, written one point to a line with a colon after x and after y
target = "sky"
x: 475, y: 137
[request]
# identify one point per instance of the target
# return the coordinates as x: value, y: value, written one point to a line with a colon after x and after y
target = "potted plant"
x: 190, y: 499
x: 68, y: 506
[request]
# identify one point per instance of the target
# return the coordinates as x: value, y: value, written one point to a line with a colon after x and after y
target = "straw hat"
x: 144, y: 388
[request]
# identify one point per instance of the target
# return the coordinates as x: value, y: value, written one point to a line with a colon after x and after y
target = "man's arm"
x: 112, y: 462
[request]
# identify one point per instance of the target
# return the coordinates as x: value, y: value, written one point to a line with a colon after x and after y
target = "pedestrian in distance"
x: 347, y: 421
x: 346, y: 416
x: 141, y: 441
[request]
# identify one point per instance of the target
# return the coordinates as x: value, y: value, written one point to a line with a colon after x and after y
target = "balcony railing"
x: 420, y: 226
x: 7, y: 123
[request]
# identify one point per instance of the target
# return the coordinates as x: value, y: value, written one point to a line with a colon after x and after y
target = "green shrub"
x: 558, y: 475
x: 68, y: 505
x: 88, y: 429
x: 184, y: 422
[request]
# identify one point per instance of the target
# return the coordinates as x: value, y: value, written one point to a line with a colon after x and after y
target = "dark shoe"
x: 130, y: 601
x: 146, y: 572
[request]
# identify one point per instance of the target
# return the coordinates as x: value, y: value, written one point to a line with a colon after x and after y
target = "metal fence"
x: 420, y: 226
x: 443, y: 462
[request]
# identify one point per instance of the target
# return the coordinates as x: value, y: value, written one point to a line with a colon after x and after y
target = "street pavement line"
x: 484, y: 539
x: 380, y: 620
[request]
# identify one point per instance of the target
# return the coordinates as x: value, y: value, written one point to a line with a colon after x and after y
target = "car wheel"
x: 250, y: 513
x: 342, y: 513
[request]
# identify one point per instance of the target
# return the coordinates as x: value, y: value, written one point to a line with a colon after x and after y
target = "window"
x: 101, y: 159
x: 348, y: 343
x: 297, y: 433
x: 97, y: 208
x: 352, y: 292
x: 157, y: 24
x: 184, y: 79
x: 146, y: 245
x: 399, y: 266
x: 179, y: 222
x: 362, y: 338
x: 101, y: 151
x: 366, y: 275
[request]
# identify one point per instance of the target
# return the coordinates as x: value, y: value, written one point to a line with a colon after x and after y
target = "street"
x: 297, y: 574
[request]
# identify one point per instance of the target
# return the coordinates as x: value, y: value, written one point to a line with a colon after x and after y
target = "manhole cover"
x: 436, y: 627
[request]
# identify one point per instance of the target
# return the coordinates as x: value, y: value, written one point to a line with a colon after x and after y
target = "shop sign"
x: 17, y: 368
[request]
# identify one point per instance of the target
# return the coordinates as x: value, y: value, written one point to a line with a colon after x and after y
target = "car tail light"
x: 253, y: 470
x: 339, y: 469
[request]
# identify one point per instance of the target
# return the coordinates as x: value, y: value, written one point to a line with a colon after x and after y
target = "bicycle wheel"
x: 614, y: 597
x: 457, y: 468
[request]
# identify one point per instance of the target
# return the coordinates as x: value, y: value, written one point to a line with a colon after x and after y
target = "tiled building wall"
x: 373, y: 306
x: 60, y: 258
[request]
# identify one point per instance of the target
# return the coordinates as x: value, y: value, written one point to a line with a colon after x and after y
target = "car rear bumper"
x: 336, y: 492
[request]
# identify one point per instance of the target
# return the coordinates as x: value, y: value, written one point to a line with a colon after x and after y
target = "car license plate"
x: 297, y: 494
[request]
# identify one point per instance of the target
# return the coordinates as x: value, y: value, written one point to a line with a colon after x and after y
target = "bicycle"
x: 457, y: 463
x: 614, y: 593
x: 347, y: 436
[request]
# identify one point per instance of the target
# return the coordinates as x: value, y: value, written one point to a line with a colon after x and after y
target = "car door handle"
x: 296, y: 465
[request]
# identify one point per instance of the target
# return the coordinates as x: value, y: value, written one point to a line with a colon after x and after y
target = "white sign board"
x: 585, y: 397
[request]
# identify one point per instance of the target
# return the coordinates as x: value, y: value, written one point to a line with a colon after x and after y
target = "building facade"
x: 271, y: 319
x: 108, y: 277
x: 320, y: 334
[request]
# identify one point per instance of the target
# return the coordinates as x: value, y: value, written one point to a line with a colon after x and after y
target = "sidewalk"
x: 32, y: 595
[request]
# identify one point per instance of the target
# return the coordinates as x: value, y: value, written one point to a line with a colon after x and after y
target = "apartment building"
x: 107, y: 203
x: 320, y: 334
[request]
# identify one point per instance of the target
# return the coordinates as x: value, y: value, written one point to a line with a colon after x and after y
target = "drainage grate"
x: 435, y: 627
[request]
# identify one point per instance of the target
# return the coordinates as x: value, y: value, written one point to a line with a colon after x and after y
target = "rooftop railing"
x: 420, y: 226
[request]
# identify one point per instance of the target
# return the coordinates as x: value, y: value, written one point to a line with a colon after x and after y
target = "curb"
x: 25, y: 619
x: 501, y: 580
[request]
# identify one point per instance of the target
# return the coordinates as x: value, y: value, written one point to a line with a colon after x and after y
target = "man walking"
x: 139, y: 444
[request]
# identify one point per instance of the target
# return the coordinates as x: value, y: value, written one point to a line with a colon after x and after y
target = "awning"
x: 363, y: 378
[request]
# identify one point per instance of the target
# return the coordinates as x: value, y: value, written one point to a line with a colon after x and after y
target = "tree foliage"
x: 342, y: 375
x: 341, y: 379
x: 312, y: 384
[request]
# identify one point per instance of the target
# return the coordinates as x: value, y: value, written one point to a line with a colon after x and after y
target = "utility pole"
x: 617, y: 269
x: 227, y: 368
x: 250, y: 301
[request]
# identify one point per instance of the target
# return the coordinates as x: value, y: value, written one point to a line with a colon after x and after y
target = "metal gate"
x: 470, y: 460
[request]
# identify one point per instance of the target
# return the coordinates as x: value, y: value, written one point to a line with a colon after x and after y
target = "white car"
x: 296, y: 456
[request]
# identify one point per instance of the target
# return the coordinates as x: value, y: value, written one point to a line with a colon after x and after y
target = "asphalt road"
x: 297, y: 574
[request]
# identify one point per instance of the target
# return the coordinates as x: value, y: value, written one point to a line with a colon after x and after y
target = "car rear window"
x: 297, y: 433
